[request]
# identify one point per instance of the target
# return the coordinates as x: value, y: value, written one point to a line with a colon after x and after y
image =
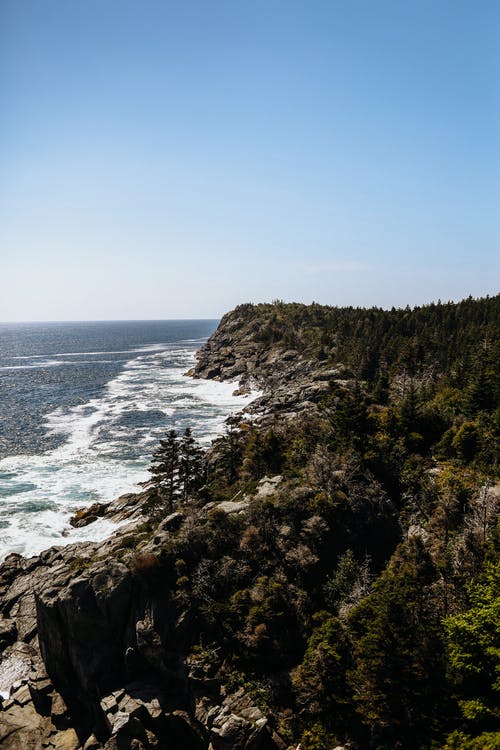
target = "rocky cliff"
x: 249, y: 618
x: 94, y: 652
x: 291, y: 380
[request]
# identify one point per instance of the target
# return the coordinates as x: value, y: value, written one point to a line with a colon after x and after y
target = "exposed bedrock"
x: 291, y: 381
x: 93, y: 655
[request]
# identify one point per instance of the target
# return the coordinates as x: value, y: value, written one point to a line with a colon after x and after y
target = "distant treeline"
x: 442, y: 336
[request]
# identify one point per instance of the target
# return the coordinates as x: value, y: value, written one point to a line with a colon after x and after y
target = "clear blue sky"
x: 164, y: 159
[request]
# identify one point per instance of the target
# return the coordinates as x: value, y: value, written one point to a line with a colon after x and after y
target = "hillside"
x: 332, y: 579
x: 292, y: 350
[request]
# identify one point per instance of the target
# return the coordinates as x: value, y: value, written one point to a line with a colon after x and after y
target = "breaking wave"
x: 105, y: 444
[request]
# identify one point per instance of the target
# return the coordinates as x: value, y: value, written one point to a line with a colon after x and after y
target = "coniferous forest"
x: 325, y: 576
x: 358, y: 601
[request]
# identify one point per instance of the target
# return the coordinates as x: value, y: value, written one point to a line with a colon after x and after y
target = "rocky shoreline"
x: 291, y: 381
x: 93, y: 659
x: 254, y: 614
x: 90, y: 656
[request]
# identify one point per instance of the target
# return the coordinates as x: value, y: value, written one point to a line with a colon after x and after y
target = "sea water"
x: 82, y: 408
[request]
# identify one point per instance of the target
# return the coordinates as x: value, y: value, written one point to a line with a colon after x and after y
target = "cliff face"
x: 247, y: 619
x: 291, y: 380
x: 94, y: 648
x: 94, y: 633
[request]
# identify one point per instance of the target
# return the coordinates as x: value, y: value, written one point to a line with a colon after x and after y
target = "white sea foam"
x: 29, y: 356
x: 60, y: 363
x: 145, y: 348
x: 106, y: 447
x: 62, y: 355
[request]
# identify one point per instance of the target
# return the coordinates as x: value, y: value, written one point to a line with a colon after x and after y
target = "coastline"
x: 155, y: 634
x: 55, y: 483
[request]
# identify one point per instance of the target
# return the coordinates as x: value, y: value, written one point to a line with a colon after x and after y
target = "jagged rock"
x: 109, y: 704
x: 87, y: 623
x: 85, y: 516
x: 289, y: 381
x: 127, y: 507
x: 267, y: 485
x: 21, y: 696
x: 118, y: 721
x: 66, y: 740
x: 41, y: 691
x: 230, y: 732
x: 8, y: 631
x: 172, y: 522
x: 92, y: 743
x: 22, y: 609
x: 22, y: 728
x: 237, y: 724
x: 149, y: 643
x: 230, y: 507
x: 206, y: 712
x: 59, y: 712
x: 16, y: 663
x: 81, y: 627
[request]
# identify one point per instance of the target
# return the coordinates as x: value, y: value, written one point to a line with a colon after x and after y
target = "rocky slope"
x: 94, y: 653
x: 90, y: 655
x: 117, y: 645
x: 292, y: 381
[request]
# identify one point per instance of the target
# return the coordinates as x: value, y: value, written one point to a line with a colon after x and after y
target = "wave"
x: 106, y: 446
x: 28, y: 356
x: 145, y: 348
x: 45, y: 365
x: 139, y: 350
x: 40, y: 365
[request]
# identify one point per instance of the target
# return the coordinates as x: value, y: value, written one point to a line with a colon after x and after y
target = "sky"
x: 174, y: 158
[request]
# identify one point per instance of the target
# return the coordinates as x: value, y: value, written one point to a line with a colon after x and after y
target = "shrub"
x: 143, y: 562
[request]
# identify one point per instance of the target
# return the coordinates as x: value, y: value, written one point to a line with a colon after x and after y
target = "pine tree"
x: 398, y: 676
x: 409, y: 410
x: 229, y: 454
x: 164, y: 469
x: 479, y: 394
x: 190, y: 464
x: 473, y: 651
x: 349, y: 421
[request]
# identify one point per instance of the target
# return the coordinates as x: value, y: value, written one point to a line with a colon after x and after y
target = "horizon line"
x: 111, y: 320
x: 439, y: 301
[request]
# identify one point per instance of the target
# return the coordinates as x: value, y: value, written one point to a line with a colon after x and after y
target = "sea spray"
x: 103, y: 445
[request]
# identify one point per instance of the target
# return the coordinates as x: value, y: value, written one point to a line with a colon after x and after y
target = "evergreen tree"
x: 479, y: 394
x: 474, y: 650
x: 262, y: 453
x: 409, y: 411
x: 380, y: 393
x: 229, y: 455
x: 190, y: 464
x: 349, y: 420
x: 164, y: 469
x: 398, y: 672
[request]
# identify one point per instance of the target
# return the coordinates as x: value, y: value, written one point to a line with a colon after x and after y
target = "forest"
x: 358, y: 602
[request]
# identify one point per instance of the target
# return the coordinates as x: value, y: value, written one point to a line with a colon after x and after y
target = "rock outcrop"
x: 93, y: 651
x: 93, y: 654
x: 290, y: 381
x: 150, y: 639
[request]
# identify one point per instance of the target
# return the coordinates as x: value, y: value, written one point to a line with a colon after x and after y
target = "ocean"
x: 82, y: 407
